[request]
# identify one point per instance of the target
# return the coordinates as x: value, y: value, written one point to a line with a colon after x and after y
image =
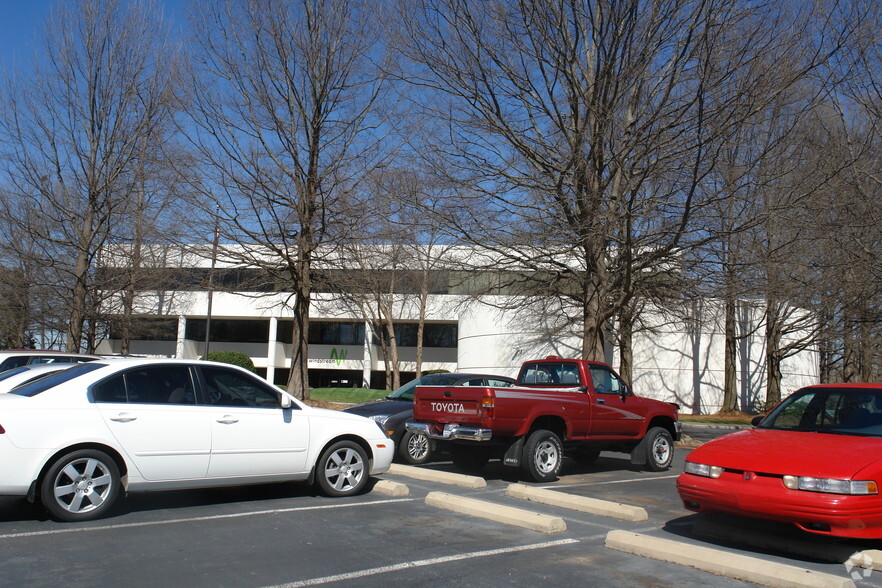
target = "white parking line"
x: 424, y: 562
x: 559, y: 487
x: 197, y: 519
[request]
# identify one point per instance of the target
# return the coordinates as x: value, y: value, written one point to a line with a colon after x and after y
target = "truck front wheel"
x: 543, y: 456
x: 659, y: 449
x: 470, y: 458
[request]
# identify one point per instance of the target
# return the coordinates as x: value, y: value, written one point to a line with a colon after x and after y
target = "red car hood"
x: 791, y: 453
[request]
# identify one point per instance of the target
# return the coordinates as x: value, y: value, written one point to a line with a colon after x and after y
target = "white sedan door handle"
x: 123, y: 417
x: 227, y: 420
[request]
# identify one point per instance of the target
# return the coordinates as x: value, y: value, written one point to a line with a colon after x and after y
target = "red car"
x: 814, y: 461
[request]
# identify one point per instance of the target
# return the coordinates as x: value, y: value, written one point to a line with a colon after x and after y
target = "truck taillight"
x: 487, y: 404
x: 2, y: 430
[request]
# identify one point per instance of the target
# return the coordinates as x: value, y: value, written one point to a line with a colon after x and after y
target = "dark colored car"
x: 396, y: 409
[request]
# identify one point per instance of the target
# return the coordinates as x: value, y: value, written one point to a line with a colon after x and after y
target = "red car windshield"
x: 846, y: 411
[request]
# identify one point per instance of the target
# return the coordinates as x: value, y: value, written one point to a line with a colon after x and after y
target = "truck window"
x: 606, y: 382
x: 494, y: 383
x: 562, y: 373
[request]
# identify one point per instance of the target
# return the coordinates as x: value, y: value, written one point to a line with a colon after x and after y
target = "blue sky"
x: 22, y: 20
x: 19, y: 22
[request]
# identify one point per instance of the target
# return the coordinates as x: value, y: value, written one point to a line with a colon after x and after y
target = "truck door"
x: 615, y: 414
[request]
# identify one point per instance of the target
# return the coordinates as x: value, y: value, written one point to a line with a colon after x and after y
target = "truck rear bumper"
x: 450, y: 432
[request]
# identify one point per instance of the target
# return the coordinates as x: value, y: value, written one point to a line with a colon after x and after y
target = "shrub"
x: 232, y: 357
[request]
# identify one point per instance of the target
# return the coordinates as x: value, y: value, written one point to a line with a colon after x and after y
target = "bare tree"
x: 401, y: 255
x: 842, y: 227
x: 587, y: 130
x: 285, y: 107
x: 92, y: 108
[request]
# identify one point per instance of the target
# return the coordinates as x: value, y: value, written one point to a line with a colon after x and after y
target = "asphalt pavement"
x: 287, y: 535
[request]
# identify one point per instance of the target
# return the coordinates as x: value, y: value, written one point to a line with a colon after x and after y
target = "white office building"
x: 677, y: 359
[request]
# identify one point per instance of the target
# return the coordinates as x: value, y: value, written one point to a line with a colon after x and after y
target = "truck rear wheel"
x: 470, y: 458
x: 543, y: 456
x: 659, y: 449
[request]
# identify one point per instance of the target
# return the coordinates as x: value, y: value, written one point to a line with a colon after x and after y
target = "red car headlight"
x: 830, y: 486
x: 700, y: 469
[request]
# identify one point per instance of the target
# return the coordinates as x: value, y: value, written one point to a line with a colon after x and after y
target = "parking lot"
x: 287, y: 535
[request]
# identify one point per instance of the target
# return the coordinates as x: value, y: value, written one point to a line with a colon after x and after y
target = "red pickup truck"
x: 558, y: 405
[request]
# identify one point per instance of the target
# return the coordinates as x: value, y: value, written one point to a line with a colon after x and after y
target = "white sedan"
x: 78, y: 439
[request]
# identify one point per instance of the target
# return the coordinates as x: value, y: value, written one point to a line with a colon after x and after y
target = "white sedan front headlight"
x: 700, y: 469
x: 830, y: 486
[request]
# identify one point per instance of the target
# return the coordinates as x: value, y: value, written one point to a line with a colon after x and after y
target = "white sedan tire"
x: 81, y: 485
x: 342, y: 469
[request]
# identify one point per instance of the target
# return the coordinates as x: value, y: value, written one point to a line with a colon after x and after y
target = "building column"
x: 182, y: 332
x: 366, y: 357
x: 271, y: 350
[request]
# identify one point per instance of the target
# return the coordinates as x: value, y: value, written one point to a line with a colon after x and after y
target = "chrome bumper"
x: 450, y: 432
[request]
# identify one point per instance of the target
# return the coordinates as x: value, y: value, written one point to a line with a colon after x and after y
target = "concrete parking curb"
x: 869, y: 558
x: 578, y: 503
x: 390, y: 488
x: 461, y: 480
x: 722, y: 563
x: 508, y: 515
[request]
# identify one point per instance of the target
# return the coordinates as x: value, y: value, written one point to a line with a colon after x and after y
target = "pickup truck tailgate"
x: 444, y: 404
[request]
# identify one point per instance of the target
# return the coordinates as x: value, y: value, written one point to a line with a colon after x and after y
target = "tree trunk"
x: 392, y: 364
x: 79, y: 294
x: 730, y: 381
x: 592, y: 330
x: 773, y: 355
x: 850, y: 369
x: 298, y: 379
x: 626, y: 348
x: 421, y: 326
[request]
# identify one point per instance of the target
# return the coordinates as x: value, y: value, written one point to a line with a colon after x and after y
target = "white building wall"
x: 674, y: 360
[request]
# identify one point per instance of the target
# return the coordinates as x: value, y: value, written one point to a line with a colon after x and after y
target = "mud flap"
x: 513, y: 455
x: 638, y: 454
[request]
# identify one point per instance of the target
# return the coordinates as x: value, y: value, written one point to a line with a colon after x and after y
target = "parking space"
x: 287, y: 535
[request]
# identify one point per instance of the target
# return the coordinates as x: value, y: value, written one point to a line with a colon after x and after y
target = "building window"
x: 150, y: 329
x: 442, y: 335
x: 229, y: 331
x: 325, y: 332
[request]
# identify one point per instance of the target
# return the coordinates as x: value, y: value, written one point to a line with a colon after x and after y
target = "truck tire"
x: 543, y: 456
x: 659, y: 449
x: 469, y: 458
